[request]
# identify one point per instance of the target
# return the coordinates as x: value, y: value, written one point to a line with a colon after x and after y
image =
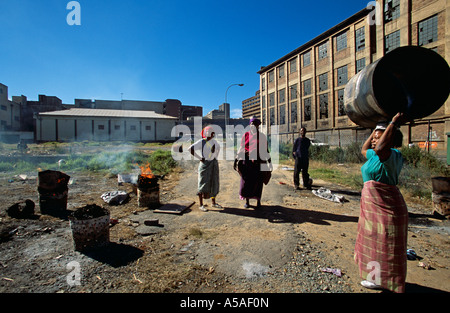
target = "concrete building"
x: 81, y: 124
x: 251, y: 106
x: 170, y: 107
x: 306, y: 86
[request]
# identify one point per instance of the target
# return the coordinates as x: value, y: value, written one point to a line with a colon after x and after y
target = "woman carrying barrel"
x: 380, y: 249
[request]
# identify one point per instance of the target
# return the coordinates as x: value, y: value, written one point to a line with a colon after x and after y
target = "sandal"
x: 370, y: 285
x: 215, y: 205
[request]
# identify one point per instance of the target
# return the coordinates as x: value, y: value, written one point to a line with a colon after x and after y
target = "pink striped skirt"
x: 380, y: 249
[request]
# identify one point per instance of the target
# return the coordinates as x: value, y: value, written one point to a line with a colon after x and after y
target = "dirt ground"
x: 283, y: 247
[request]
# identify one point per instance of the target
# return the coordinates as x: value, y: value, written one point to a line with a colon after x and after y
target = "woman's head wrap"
x: 207, y: 132
x: 255, y: 120
x: 381, y: 126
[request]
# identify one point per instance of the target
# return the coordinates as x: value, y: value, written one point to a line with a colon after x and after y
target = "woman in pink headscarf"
x: 208, y: 169
x: 253, y: 164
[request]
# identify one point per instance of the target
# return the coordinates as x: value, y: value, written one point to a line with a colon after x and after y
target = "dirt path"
x: 280, y: 247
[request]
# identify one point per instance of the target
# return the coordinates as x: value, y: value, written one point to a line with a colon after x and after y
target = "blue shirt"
x: 386, y: 172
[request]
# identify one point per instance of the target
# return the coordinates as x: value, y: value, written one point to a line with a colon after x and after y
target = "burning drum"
x: 53, y: 191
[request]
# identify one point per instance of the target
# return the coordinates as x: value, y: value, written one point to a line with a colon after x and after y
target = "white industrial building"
x: 80, y: 124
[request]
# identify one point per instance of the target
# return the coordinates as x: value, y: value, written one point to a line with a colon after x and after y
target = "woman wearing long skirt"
x: 380, y: 249
x: 253, y: 164
x: 208, y: 169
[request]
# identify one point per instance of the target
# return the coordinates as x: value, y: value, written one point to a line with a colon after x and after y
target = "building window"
x: 392, y: 41
x: 341, y: 109
x: 282, y: 114
x: 341, y: 41
x: 264, y: 117
x: 281, y: 95
x: 263, y: 101
x: 133, y: 127
x: 294, y: 112
x: 272, y: 99
x: 323, y: 82
x: 271, y: 76
x: 323, y: 50
x: 263, y: 84
x: 281, y: 71
x: 116, y: 127
x: 101, y: 127
x: 293, y: 92
x: 307, y: 58
x: 1, y: 91
x: 342, y: 76
x: 428, y: 30
x: 360, y: 38
x: 4, y: 108
x: 307, y: 109
x: 360, y: 64
x: 293, y: 66
x: 272, y: 116
x: 307, y: 87
x: 148, y: 127
x: 323, y: 106
x: 391, y: 10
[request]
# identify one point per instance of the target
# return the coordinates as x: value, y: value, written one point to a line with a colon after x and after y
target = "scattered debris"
x: 175, y: 207
x: 90, y: 211
x: 334, y: 271
x: 411, y: 254
x: 23, y: 209
x: 187, y: 247
x: 6, y: 234
x: 151, y: 222
x: 115, y: 197
x: 426, y: 266
x: 327, y: 195
x: 285, y: 168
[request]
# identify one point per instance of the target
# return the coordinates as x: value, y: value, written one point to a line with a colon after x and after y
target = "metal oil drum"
x: 411, y: 79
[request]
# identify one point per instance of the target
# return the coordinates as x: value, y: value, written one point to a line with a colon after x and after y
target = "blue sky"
x: 190, y: 50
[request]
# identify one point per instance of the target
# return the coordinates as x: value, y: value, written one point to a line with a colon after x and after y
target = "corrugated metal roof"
x: 107, y: 113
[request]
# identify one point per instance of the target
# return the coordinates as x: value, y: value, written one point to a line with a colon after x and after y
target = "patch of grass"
x: 347, y: 176
x: 162, y: 162
x: 196, y: 232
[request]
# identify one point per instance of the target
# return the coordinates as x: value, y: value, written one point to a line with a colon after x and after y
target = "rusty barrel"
x: 53, y: 192
x: 412, y: 80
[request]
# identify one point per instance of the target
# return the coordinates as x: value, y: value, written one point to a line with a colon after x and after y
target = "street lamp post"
x: 226, y: 94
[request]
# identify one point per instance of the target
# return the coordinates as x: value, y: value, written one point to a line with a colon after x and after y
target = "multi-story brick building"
x: 306, y: 86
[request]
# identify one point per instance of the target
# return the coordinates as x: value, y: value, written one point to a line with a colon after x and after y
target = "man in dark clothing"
x: 300, y: 152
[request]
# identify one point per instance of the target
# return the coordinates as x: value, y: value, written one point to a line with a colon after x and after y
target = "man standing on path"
x: 300, y: 152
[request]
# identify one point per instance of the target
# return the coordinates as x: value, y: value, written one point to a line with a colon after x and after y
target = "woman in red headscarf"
x: 253, y: 164
x: 208, y: 169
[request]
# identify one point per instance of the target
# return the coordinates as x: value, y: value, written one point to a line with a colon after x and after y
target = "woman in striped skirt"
x: 380, y: 249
